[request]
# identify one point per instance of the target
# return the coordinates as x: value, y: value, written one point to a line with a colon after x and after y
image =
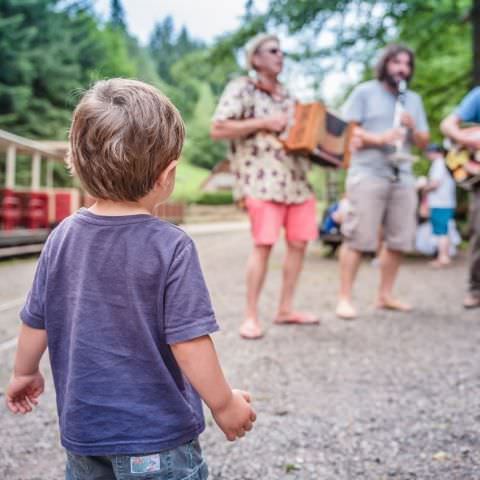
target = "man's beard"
x: 394, y: 81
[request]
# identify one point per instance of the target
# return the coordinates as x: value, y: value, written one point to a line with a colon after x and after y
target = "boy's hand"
x: 236, y: 417
x: 23, y: 392
x: 230, y: 408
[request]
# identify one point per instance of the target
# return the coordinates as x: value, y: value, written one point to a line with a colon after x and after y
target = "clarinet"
x: 397, y: 122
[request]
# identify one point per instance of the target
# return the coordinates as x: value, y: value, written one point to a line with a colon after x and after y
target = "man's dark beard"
x: 393, y: 82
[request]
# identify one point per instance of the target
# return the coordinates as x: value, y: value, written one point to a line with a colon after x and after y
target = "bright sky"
x: 205, y: 19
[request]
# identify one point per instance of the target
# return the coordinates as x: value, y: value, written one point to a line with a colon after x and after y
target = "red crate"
x: 10, y: 210
x: 36, y: 210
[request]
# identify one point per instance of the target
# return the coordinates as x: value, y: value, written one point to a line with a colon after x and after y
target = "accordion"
x: 320, y: 134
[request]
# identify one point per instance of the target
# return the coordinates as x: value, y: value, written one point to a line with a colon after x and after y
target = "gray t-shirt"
x: 113, y: 293
x: 372, y: 106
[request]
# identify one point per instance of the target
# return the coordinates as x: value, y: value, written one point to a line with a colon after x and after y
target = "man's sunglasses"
x: 273, y: 51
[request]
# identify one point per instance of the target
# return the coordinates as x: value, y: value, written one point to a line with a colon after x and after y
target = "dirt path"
x: 386, y: 397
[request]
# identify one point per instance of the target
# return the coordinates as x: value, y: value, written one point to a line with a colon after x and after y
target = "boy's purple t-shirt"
x: 113, y: 293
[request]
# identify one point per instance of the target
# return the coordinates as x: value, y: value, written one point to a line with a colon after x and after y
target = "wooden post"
x: 36, y: 170
x: 475, y: 20
x: 10, y: 168
x: 50, y: 193
x: 49, y: 173
x: 326, y: 194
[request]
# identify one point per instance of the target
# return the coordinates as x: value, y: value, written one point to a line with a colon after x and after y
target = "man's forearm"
x: 233, y: 129
x: 450, y: 127
x: 32, y: 343
x: 369, y: 139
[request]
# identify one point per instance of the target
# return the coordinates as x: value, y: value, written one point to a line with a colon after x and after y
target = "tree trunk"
x: 476, y: 41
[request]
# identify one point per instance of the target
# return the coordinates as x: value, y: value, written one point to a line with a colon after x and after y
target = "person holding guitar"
x: 451, y: 126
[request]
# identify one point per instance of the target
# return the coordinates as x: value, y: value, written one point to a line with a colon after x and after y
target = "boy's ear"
x: 163, y: 177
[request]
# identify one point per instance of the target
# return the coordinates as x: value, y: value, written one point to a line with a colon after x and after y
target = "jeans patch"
x: 146, y: 464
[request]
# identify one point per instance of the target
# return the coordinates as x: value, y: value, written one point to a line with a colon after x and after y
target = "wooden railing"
x: 171, y: 211
x: 14, y: 144
x: 55, y: 151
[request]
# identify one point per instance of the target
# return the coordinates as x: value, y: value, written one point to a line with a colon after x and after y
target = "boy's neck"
x: 113, y: 209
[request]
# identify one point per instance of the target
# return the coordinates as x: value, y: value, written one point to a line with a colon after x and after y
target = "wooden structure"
x: 221, y: 178
x: 28, y: 213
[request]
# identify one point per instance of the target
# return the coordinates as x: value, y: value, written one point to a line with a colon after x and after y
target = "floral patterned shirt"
x: 262, y: 167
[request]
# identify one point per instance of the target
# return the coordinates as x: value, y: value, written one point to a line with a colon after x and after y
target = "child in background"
x: 441, y: 195
x: 120, y: 299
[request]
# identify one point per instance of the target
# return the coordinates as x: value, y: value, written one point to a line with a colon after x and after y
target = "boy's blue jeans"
x: 181, y: 463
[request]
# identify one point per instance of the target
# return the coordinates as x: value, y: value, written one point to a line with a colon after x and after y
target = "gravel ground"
x: 388, y: 396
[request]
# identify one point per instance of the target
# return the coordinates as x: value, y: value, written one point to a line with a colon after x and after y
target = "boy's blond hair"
x: 123, y: 135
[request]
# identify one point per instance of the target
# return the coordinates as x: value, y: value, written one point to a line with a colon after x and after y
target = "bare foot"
x: 251, y: 330
x: 297, y: 318
x: 471, y: 301
x: 440, y: 263
x: 393, y: 304
x: 345, y: 310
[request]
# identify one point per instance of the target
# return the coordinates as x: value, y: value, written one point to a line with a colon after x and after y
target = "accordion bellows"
x: 321, y: 135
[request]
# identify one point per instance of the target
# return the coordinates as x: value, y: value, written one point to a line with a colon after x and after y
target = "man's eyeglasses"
x: 273, y: 51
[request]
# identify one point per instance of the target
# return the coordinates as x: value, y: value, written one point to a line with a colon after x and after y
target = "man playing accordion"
x: 271, y: 182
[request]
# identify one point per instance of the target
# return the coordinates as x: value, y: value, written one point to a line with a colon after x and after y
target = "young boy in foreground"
x: 120, y: 300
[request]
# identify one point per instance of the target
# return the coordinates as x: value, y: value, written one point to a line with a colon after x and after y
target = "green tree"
x: 116, y: 62
x: 48, y: 52
x: 166, y: 47
x: 199, y: 148
x: 17, y: 65
x: 117, y: 15
x: 475, y: 20
x: 39, y: 68
x: 161, y: 46
x: 358, y: 28
x: 87, y: 37
x: 102, y: 51
x: 443, y: 58
x: 202, y: 66
x: 143, y: 63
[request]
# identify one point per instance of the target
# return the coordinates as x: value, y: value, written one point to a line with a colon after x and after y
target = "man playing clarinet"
x: 271, y: 183
x: 469, y: 111
x: 380, y: 184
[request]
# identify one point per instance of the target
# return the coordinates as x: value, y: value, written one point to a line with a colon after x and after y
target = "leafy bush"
x: 200, y: 149
x: 188, y: 182
x: 215, y: 198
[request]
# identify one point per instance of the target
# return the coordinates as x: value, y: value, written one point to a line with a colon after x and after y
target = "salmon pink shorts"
x: 267, y: 219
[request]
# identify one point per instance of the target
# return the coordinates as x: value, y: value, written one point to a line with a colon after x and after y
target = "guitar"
x: 463, y: 162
